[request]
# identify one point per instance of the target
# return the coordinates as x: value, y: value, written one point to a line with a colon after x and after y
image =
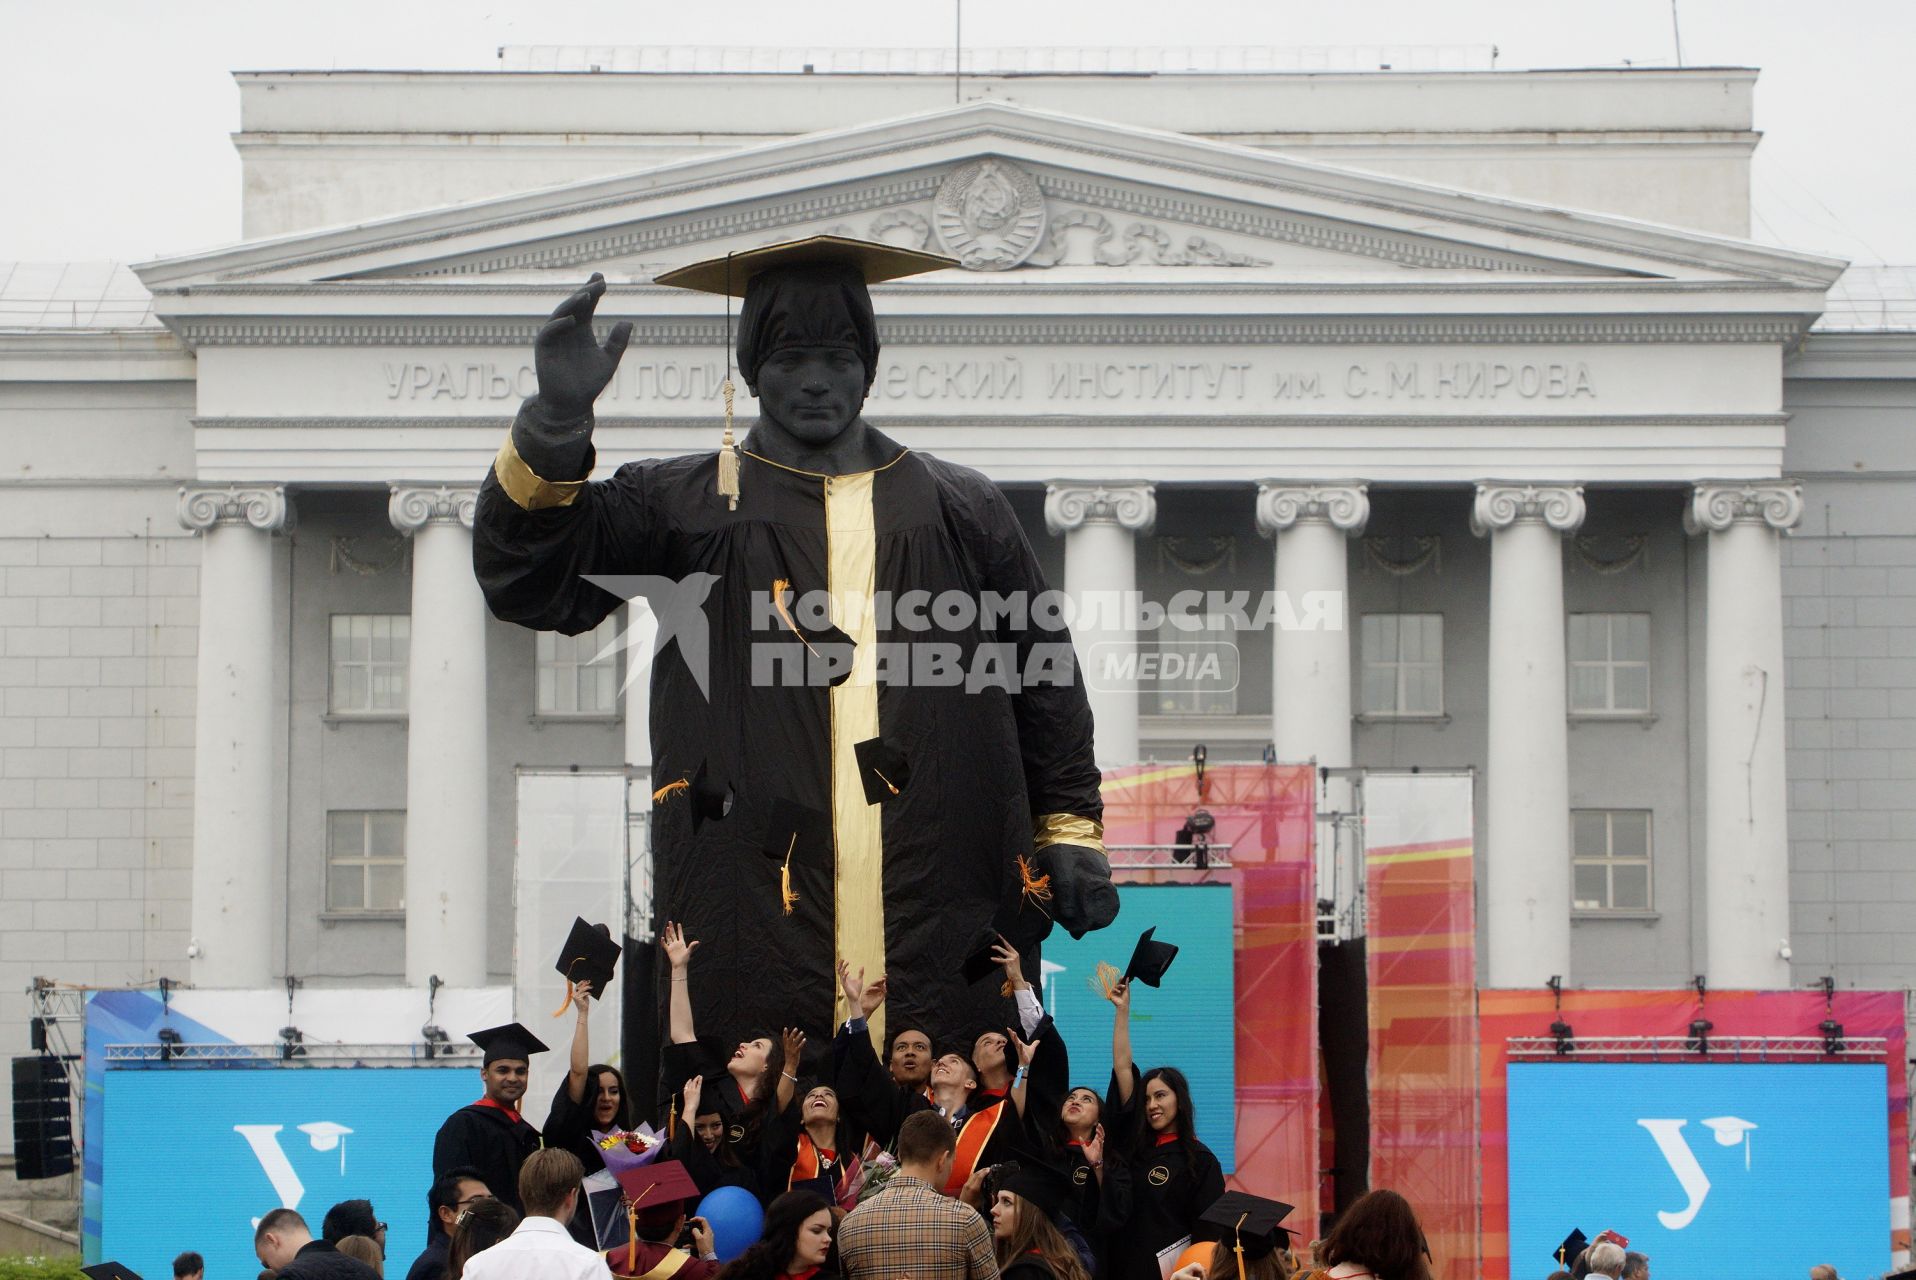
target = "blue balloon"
x: 736, y: 1218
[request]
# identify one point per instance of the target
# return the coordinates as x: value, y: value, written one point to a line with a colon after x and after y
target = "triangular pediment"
x: 1018, y: 195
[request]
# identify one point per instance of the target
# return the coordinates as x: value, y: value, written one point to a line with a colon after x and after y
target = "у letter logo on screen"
x: 1676, y: 1151
x: 321, y: 1135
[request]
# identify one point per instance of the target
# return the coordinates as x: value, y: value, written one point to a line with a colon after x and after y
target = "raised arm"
x: 1123, y: 1070
x: 581, y: 1044
x: 679, y: 952
x: 793, y: 1041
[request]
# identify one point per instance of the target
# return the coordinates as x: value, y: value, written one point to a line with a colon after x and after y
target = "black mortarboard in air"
x: 883, y: 770
x: 711, y: 799
x: 1045, y: 1186
x: 589, y: 955
x: 1573, y: 1244
x: 800, y: 832
x: 1238, y: 1219
x: 1023, y: 925
x: 1150, y: 959
x: 510, y: 1043
x: 109, y: 1271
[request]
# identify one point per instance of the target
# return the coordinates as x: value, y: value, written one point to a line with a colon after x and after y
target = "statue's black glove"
x: 1082, y: 895
x: 572, y: 367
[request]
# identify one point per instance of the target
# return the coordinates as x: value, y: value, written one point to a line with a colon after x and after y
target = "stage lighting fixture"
x: 292, y: 1044
x: 1832, y: 1036
x: 437, y: 1041
x: 1565, y: 1038
x: 169, y: 1043
x: 1699, y: 1041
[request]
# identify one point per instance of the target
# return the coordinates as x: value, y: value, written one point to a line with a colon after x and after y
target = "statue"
x: 817, y: 801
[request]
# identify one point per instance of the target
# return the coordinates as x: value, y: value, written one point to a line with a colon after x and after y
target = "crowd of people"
x: 926, y: 1162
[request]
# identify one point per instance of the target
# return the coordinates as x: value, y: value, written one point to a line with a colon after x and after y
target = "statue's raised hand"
x: 572, y: 367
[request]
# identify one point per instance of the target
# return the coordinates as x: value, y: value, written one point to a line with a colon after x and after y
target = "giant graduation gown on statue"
x: 909, y: 881
x: 487, y: 1138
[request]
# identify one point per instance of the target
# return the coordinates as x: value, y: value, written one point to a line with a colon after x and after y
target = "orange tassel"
x: 1037, y: 888
x: 889, y: 786
x: 672, y: 1121
x: 632, y: 1237
x: 567, y: 1002
x: 779, y: 587
x: 785, y: 894
x: 1237, y: 1233
x: 671, y: 789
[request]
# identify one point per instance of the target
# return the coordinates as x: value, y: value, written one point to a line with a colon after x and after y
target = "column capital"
x: 1499, y: 506
x: 1715, y: 505
x: 1071, y: 504
x: 1281, y: 504
x: 263, y: 506
x: 412, y: 507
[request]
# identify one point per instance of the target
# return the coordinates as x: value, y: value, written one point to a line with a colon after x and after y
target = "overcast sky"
x: 115, y: 115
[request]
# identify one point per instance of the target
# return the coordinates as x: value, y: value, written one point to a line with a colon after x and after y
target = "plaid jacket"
x: 911, y: 1230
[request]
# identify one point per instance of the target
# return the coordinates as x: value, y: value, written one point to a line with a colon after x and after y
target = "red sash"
x: 972, y: 1137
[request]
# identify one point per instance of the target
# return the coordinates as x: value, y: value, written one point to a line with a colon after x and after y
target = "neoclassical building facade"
x: 1487, y: 361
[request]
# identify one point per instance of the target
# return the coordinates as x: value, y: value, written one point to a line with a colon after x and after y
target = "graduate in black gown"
x: 958, y: 742
x: 1160, y: 1179
x: 490, y: 1136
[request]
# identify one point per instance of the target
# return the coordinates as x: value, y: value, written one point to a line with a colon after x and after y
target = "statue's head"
x: 808, y: 346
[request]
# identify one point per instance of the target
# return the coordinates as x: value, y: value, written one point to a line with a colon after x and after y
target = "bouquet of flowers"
x: 878, y: 1171
x: 628, y: 1148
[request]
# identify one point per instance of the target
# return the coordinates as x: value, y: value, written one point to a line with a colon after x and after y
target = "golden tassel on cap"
x: 728, y: 453
x: 785, y: 894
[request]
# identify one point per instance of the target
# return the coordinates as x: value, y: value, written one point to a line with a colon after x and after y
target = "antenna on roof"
x: 958, y: 51
x: 1676, y: 32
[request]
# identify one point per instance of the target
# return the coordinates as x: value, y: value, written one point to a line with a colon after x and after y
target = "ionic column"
x: 1527, y: 819
x: 1745, y: 807
x: 1311, y: 662
x: 235, y: 844
x: 446, y: 782
x: 1101, y: 524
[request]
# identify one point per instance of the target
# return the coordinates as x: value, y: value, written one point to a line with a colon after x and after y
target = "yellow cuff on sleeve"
x: 525, y: 487
x: 1067, y: 828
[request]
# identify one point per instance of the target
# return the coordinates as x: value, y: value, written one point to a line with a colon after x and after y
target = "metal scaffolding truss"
x: 1717, y: 1048
x: 1160, y: 857
x: 280, y: 1053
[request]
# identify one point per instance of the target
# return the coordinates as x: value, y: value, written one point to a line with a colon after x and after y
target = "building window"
x: 370, y: 653
x: 366, y: 860
x: 1196, y: 671
x: 1403, y: 664
x: 570, y: 682
x: 1609, y: 663
x: 1610, y: 859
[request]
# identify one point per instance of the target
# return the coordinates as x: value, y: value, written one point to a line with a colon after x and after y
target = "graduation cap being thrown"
x: 1150, y: 959
x: 589, y: 955
x: 882, y: 770
x: 109, y: 1271
x: 809, y: 292
x: 1573, y: 1244
x: 510, y: 1043
x: 1253, y: 1224
x: 796, y: 832
x: 709, y: 799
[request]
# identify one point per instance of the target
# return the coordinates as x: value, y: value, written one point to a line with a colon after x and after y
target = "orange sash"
x: 972, y: 1137
x: 808, y: 1164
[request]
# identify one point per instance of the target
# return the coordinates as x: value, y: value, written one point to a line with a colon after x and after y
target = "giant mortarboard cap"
x: 875, y: 262
x: 1045, y: 1186
x: 511, y: 1042
x: 1573, y: 1244
x: 882, y: 769
x: 109, y: 1271
x: 589, y: 955
x: 1150, y: 959
x: 1238, y: 1219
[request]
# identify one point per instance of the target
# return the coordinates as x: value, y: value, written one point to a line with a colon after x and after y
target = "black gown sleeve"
x: 1207, y: 1180
x: 453, y: 1147
x: 530, y: 564
x: 1053, y: 715
x: 567, y: 1125
x: 867, y: 1095
x: 1046, y: 1083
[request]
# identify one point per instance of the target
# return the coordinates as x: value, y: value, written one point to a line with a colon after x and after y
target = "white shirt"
x: 540, y: 1249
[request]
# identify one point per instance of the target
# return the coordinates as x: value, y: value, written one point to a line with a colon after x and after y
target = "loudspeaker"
x: 42, y: 1118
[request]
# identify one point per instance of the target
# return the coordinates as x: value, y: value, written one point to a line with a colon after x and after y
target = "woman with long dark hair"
x: 794, y: 1244
x: 591, y: 1097
x: 1024, y: 1230
x: 1377, y: 1238
x: 480, y: 1225
x: 757, y: 1080
x: 1168, y: 1177
x: 811, y: 1147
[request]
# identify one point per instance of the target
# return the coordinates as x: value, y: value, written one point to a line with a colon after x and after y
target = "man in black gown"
x: 490, y: 1137
x: 931, y: 791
